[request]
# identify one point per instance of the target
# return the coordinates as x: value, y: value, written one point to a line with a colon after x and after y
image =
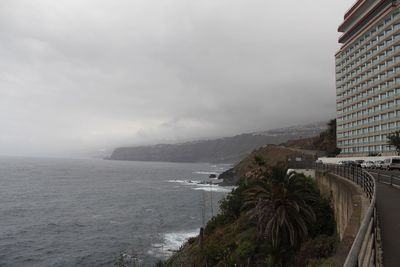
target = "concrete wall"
x: 348, y: 201
x: 350, y: 206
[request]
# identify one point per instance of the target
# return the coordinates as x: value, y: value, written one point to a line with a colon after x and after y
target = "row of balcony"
x: 382, y: 27
x: 357, y: 68
x: 373, y: 96
x: 374, y: 105
x: 366, y: 132
x: 380, y: 142
x: 360, y: 81
x: 368, y: 150
x: 382, y: 118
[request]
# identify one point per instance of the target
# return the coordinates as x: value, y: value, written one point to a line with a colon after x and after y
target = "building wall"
x: 368, y: 82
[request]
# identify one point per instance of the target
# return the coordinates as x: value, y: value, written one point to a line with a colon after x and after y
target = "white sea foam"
x: 206, y: 173
x: 215, y: 188
x: 185, y: 182
x: 171, y: 242
x: 199, y: 185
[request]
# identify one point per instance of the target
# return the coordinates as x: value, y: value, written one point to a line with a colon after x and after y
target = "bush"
x: 215, y: 252
x: 192, y: 240
x: 260, y: 161
x: 246, y: 249
x: 325, y: 224
x: 232, y: 205
x: 321, y: 247
x: 215, y: 222
x: 320, y: 263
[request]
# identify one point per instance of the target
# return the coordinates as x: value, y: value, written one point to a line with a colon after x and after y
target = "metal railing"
x: 385, y: 178
x: 364, y: 251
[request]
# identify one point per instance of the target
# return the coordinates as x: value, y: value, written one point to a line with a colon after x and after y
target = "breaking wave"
x: 206, y: 173
x: 171, y: 242
x: 199, y: 185
x: 215, y: 188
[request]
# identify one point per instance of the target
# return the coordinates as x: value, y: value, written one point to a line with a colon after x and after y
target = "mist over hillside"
x: 221, y: 150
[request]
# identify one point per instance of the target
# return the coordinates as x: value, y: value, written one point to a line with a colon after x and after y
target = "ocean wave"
x: 215, y: 188
x: 206, y: 173
x: 186, y: 182
x: 199, y: 185
x: 171, y: 242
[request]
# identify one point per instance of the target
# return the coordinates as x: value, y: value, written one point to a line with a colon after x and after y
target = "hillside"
x: 272, y: 155
x: 259, y: 220
x: 305, y: 149
x: 222, y: 150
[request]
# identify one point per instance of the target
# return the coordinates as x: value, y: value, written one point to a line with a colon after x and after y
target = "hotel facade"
x: 368, y: 78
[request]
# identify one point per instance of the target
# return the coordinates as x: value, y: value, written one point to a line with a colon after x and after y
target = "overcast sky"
x: 82, y: 75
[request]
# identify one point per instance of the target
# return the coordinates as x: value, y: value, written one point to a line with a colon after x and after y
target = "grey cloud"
x: 87, y: 74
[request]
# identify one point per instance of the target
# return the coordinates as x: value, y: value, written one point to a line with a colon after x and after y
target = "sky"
x: 88, y: 75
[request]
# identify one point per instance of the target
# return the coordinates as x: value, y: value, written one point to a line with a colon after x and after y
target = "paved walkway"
x: 388, y: 203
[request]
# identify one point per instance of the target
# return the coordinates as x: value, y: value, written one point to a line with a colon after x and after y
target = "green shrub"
x: 321, y: 247
x: 232, y: 205
x: 192, y: 240
x: 215, y: 222
x: 215, y: 252
x: 325, y: 224
x: 260, y: 161
x: 320, y: 263
x: 246, y: 249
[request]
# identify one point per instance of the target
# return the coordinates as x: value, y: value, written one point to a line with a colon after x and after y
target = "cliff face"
x: 223, y: 150
x: 229, y: 149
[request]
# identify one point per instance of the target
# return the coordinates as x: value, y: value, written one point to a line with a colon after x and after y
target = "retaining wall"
x: 349, y: 204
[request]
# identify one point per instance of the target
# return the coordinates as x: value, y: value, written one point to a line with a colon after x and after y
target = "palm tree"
x: 281, y: 203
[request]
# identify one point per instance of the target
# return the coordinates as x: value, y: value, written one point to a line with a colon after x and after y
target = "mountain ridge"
x: 221, y: 150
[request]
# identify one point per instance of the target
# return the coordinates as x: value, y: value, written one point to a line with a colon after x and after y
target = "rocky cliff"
x: 222, y: 150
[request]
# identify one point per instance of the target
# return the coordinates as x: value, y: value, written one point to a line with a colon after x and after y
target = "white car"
x: 391, y: 164
x: 367, y: 164
x: 378, y: 164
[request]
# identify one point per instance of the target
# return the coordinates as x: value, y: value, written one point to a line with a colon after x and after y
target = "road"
x: 387, y: 201
x: 388, y: 177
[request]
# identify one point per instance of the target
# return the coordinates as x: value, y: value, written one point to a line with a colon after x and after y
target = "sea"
x: 90, y: 212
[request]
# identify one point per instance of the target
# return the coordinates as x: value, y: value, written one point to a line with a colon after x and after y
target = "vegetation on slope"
x: 270, y: 219
x: 325, y: 142
x: 271, y: 154
x: 308, y: 149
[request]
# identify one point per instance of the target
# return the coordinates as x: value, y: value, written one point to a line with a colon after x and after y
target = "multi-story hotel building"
x: 368, y: 78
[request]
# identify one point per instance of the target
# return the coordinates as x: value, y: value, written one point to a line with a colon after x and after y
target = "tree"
x: 327, y: 140
x: 281, y: 203
x: 394, y: 140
